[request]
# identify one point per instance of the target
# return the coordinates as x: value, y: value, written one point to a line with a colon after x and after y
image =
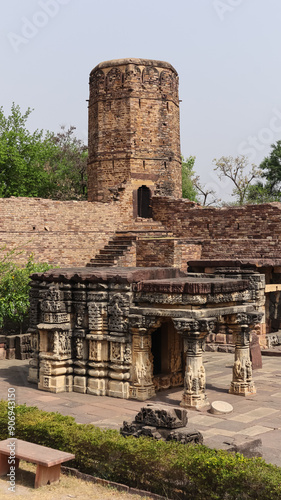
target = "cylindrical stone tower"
x: 134, y: 133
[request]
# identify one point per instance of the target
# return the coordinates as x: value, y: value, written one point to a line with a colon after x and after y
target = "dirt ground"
x: 69, y: 487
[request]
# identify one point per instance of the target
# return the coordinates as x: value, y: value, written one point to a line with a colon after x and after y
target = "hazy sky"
x: 227, y: 54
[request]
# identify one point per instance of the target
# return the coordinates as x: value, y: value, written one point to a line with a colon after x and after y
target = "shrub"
x: 170, y: 469
x: 14, y: 288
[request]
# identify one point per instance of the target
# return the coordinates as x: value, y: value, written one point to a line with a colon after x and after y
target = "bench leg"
x: 46, y: 475
x: 5, y: 467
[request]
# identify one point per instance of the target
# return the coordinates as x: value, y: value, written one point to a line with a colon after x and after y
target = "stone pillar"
x: 119, y: 301
x: 80, y: 344
x: 242, y: 381
x: 55, y: 339
x: 142, y: 386
x: 97, y: 338
x: 194, y: 333
x: 34, y: 319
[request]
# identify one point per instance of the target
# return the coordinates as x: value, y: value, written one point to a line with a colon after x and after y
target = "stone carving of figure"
x: 248, y: 367
x: 202, y: 378
x: 188, y: 379
x: 127, y: 354
x: 237, y: 369
x: 79, y: 348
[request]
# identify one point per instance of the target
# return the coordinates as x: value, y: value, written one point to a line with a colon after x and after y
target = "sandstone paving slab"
x: 255, y: 430
x: 230, y: 425
x: 252, y: 415
x: 214, y: 432
x: 46, y: 398
x: 272, y: 440
x: 271, y: 455
x: 202, y: 420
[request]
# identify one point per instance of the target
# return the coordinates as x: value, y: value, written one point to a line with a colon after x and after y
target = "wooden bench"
x: 48, y: 460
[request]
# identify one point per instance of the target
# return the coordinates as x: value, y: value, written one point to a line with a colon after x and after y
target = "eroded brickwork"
x: 186, y: 219
x: 133, y: 128
x: 65, y: 233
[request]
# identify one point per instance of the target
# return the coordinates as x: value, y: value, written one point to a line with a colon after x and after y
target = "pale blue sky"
x: 227, y: 54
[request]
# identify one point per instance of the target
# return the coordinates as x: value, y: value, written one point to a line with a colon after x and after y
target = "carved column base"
x: 97, y: 382
x: 80, y: 379
x: 194, y: 400
x: 242, y: 388
x: 55, y: 376
x: 142, y: 393
x: 97, y: 386
x: 118, y: 389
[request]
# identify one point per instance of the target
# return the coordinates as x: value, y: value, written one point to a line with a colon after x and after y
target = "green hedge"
x: 169, y: 469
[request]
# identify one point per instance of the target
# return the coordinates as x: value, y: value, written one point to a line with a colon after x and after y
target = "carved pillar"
x: 55, y: 340
x: 34, y: 319
x: 80, y: 348
x: 119, y: 365
x: 194, y: 333
x: 97, y: 371
x: 242, y: 381
x: 142, y: 386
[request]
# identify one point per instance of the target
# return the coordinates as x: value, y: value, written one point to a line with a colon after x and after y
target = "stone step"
x: 116, y: 247
x: 153, y: 234
x: 110, y: 251
x: 103, y: 258
x: 100, y: 264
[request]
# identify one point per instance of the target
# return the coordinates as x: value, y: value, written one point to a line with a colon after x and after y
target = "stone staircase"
x: 122, y: 241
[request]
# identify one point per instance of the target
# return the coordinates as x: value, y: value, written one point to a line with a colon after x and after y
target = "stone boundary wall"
x: 188, y: 220
x: 62, y: 233
x: 241, y: 248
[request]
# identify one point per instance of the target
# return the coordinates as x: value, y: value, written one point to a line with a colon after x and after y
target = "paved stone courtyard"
x: 253, y: 417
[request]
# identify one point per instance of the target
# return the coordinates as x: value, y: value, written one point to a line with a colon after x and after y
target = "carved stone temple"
x: 172, y: 276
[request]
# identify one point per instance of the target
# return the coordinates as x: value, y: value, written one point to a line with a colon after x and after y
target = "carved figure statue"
x: 249, y: 372
x: 237, y: 369
x: 188, y: 379
x: 202, y: 377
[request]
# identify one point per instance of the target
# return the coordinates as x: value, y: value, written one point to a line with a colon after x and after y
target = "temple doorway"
x: 144, y: 202
x: 167, y: 354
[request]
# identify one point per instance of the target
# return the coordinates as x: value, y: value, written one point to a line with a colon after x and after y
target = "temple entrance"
x: 144, y: 202
x: 167, y: 353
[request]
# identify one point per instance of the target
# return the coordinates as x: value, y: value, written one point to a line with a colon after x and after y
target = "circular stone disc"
x: 221, y: 407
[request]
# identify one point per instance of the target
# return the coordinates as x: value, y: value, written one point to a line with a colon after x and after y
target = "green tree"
x: 188, y: 188
x: 270, y: 168
x: 36, y: 164
x: 14, y: 288
x: 22, y: 157
x: 239, y: 172
x: 68, y: 166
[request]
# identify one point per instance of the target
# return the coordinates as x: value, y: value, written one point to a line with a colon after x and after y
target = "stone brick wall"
x: 166, y: 252
x: 242, y: 224
x: 65, y: 233
x: 133, y: 128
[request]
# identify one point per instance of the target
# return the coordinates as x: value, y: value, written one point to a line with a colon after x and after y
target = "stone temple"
x: 172, y: 276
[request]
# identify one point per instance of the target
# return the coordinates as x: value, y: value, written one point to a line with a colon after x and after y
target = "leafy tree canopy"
x: 188, y: 188
x: 36, y: 164
x: 22, y: 157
